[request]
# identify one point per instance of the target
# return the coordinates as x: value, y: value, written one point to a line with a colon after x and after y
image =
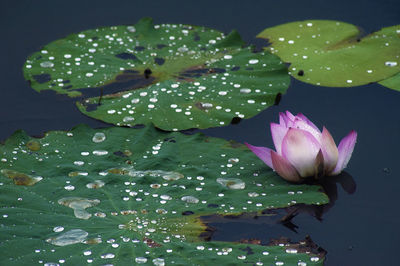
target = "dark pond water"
x: 361, y: 228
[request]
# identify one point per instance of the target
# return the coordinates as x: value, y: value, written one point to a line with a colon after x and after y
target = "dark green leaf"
x: 174, y: 76
x: 122, y: 196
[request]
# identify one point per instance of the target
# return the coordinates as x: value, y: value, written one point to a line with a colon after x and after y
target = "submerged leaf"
x: 332, y: 53
x: 143, y: 207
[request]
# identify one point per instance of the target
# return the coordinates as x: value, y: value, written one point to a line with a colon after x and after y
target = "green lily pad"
x: 392, y: 82
x: 125, y: 196
x: 332, y: 53
x: 175, y: 76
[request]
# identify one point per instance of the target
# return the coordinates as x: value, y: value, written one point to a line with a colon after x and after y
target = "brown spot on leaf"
x: 151, y: 243
x: 234, y: 144
x: 93, y: 241
x: 128, y: 212
x: 199, y: 105
x: 118, y: 171
x: 33, y: 145
x: 20, y: 179
x: 127, y: 152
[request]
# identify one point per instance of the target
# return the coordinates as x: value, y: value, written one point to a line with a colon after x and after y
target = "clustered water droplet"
x: 232, y: 183
x: 190, y: 199
x: 70, y: 237
x: 99, y: 137
x: 79, y: 205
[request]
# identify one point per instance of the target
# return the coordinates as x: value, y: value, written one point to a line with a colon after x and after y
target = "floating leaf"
x: 392, y: 82
x: 126, y: 196
x: 332, y: 53
x: 175, y: 76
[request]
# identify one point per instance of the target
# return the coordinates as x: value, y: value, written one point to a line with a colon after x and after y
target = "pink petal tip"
x: 346, y: 147
x: 263, y: 153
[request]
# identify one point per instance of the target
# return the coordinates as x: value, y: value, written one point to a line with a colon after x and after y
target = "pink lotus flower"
x: 302, y: 150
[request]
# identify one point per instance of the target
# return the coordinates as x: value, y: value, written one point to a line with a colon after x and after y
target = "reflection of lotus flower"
x: 303, y: 151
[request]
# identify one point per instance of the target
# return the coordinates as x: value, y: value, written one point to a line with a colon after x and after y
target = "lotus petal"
x: 278, y: 132
x: 329, y: 150
x: 290, y: 116
x: 308, y: 121
x: 301, y: 124
x: 346, y: 147
x: 319, y: 165
x: 283, y: 119
x: 284, y: 168
x: 300, y: 148
x: 263, y: 153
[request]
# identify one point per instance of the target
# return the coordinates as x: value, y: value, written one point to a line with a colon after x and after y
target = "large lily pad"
x: 122, y: 196
x: 332, y: 53
x: 175, y: 76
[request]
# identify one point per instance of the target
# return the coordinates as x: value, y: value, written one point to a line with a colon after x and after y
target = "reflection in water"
x: 220, y: 227
x: 329, y: 184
